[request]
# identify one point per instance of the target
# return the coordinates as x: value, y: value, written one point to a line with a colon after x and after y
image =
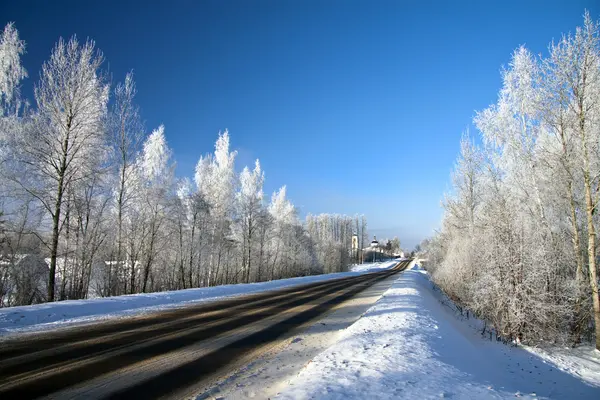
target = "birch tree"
x: 216, y: 184
x: 127, y: 132
x: 157, y: 172
x: 249, y: 204
x: 283, y: 215
x: 62, y: 141
x: 539, y: 186
x: 578, y: 65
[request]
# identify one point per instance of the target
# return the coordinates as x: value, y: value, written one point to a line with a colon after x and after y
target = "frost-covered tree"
x: 249, y: 205
x: 284, y: 218
x: 192, y: 219
x: 395, y: 245
x: 333, y: 240
x: 85, y: 230
x: 85, y: 192
x: 215, y: 178
x: 126, y: 140
x: 462, y: 209
x: 11, y: 70
x: 360, y: 229
x: 511, y: 243
x: 11, y: 75
x: 577, y: 60
x: 155, y: 185
x: 64, y: 141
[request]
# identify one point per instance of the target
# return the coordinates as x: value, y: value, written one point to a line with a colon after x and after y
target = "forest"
x: 518, y: 242
x: 91, y: 205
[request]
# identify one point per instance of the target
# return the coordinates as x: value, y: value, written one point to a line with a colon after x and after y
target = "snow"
x: 374, y: 266
x: 42, y: 317
x: 409, y: 345
x: 268, y: 374
x: 583, y: 361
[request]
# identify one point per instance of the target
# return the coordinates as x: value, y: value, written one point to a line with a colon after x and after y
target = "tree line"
x: 91, y: 206
x: 518, y: 243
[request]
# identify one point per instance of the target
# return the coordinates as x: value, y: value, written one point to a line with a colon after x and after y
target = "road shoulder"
x: 272, y: 370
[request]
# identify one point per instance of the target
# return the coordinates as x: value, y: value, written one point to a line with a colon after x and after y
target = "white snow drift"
x: 410, y: 346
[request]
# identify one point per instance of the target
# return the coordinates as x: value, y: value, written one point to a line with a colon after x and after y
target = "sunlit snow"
x: 411, y: 346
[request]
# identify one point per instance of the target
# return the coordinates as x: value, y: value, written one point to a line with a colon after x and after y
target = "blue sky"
x: 357, y: 106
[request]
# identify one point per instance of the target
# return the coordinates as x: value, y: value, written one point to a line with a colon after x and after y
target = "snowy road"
x: 166, y: 354
x: 69, y: 313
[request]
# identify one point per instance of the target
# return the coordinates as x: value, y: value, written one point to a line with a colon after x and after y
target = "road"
x: 167, y: 354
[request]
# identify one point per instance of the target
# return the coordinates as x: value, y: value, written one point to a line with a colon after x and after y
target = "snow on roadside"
x: 41, y: 317
x: 411, y: 346
x: 374, y: 266
x: 583, y: 361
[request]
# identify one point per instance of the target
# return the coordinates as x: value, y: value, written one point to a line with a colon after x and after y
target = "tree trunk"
x: 146, y: 273
x: 132, y: 277
x: 249, y: 251
x: 275, y: 260
x: 149, y: 261
x: 181, y: 263
x: 120, y: 202
x: 576, y: 328
x: 590, y: 208
x: 191, y: 263
x: 592, y: 256
x: 216, y: 275
x: 56, y: 217
x: 260, y: 257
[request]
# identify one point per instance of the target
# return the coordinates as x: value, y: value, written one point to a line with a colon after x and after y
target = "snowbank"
x: 374, y: 266
x: 411, y: 346
x: 47, y: 316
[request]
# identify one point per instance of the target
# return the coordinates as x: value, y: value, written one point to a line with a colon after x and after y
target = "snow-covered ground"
x: 48, y: 316
x: 582, y: 362
x: 371, y: 267
x: 411, y: 346
x: 268, y: 373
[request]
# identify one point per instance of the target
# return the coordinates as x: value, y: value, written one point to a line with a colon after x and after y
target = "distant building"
x: 374, y: 243
x: 373, y: 252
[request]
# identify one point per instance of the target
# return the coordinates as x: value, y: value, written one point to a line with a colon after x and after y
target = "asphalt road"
x: 167, y: 354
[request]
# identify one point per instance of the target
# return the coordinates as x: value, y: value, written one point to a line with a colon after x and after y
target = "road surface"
x: 167, y: 354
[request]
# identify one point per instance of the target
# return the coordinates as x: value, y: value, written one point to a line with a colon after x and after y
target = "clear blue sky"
x: 357, y: 106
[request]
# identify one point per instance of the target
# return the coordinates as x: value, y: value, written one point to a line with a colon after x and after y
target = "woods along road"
x: 170, y: 354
